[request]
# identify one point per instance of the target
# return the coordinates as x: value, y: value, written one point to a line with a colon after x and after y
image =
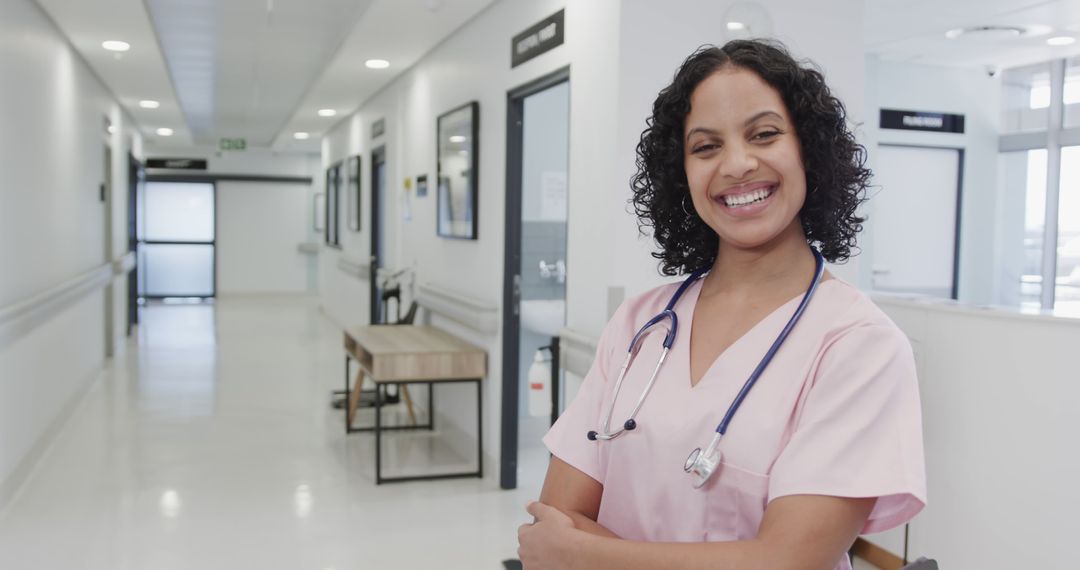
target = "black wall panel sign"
x: 177, y: 163
x: 539, y: 38
x: 922, y: 121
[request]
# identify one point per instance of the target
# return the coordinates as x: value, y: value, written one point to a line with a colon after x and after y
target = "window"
x: 1067, y: 283
x: 1039, y: 170
x: 1025, y: 99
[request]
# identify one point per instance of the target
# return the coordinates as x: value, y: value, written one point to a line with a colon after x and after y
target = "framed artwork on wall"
x: 457, y: 141
x: 352, y: 192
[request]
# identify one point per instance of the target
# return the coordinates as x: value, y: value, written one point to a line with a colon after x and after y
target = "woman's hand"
x: 546, y: 543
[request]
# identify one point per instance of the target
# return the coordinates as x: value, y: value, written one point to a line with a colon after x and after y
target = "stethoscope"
x: 700, y: 464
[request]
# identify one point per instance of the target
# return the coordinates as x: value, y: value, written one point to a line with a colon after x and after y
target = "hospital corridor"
x: 540, y: 284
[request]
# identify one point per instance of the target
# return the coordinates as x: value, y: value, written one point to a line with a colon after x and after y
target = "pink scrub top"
x: 835, y: 413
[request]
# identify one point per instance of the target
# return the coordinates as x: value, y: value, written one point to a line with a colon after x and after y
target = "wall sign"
x: 421, y: 186
x: 922, y: 121
x: 233, y: 144
x: 539, y: 38
x: 378, y: 128
x: 177, y: 163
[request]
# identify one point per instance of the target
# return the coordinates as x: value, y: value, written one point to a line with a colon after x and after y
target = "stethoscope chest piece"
x: 702, y: 464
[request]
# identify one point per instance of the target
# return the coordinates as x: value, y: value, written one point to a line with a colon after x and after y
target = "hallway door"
x: 177, y: 240
x: 537, y: 158
x: 915, y: 220
x: 378, y: 230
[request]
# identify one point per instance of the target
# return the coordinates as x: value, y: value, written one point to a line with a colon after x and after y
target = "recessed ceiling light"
x: 149, y: 104
x: 301, y: 136
x: 165, y: 132
x: 1061, y: 41
x: 111, y: 129
x: 116, y: 45
x: 327, y: 112
x: 457, y: 139
x: 987, y: 33
x: 736, y: 26
x: 377, y: 64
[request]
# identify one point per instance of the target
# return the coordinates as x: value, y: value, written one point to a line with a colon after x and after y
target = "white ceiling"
x: 914, y: 30
x: 260, y: 69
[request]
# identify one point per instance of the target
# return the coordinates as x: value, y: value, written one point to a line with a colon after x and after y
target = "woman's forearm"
x: 584, y: 523
x: 592, y: 552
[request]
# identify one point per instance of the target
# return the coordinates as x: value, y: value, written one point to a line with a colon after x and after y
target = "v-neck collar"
x: 786, y: 309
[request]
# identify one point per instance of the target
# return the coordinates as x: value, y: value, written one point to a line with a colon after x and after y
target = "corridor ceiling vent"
x: 993, y: 34
x: 377, y: 64
x: 116, y: 45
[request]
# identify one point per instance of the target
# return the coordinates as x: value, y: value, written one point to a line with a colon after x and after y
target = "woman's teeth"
x: 733, y: 201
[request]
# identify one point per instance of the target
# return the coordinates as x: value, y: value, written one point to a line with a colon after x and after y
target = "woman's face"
x: 743, y: 160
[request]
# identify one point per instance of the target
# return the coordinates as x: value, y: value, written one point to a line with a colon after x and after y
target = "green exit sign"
x: 233, y: 144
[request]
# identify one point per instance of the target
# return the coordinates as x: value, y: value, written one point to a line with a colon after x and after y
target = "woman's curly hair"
x: 836, y: 177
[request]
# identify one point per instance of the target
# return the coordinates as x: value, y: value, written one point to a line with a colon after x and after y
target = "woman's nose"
x: 737, y: 161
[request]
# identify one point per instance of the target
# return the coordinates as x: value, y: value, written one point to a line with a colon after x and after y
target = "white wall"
x: 620, y: 53
x: 999, y: 396
x: 52, y: 227
x: 976, y: 95
x: 260, y: 225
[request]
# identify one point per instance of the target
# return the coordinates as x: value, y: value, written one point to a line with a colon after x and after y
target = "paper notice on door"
x: 553, y: 196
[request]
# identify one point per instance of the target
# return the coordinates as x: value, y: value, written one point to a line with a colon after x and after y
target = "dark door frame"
x: 378, y: 158
x: 136, y: 176
x: 511, y: 325
x: 955, y: 291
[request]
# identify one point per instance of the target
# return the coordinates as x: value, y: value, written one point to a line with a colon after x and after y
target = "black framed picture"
x: 457, y: 141
x: 352, y: 192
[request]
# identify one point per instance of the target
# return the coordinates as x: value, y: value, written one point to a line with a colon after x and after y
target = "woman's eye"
x: 704, y: 148
x: 766, y: 135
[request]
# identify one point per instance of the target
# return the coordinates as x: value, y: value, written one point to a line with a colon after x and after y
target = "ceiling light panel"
x: 149, y: 104
x: 116, y: 45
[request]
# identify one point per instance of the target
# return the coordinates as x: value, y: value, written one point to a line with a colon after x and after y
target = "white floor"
x: 211, y: 444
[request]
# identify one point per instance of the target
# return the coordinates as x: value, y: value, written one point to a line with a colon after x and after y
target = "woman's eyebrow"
x: 762, y: 115
x: 704, y: 130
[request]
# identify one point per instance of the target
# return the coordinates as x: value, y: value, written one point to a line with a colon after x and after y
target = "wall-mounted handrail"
x: 358, y: 268
x: 576, y: 351
x: 21, y: 317
x: 474, y: 313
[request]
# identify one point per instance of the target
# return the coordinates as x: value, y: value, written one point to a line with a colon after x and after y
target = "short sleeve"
x: 567, y: 438
x: 859, y: 432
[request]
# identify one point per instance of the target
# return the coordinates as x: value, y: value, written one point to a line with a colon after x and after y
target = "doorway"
x: 107, y: 246
x: 136, y: 178
x: 378, y: 227
x: 923, y: 261
x: 176, y: 246
x: 534, y: 297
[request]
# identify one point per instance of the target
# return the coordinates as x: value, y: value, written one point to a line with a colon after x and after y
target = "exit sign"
x: 233, y: 144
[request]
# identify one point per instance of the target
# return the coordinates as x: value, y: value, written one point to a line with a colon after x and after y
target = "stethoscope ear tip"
x: 630, y: 424
x: 591, y: 435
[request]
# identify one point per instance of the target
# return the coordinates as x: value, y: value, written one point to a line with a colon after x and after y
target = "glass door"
x: 176, y: 245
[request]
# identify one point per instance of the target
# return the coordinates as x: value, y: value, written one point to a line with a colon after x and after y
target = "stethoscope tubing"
x: 669, y: 339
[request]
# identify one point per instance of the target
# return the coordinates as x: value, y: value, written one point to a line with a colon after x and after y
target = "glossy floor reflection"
x: 211, y: 444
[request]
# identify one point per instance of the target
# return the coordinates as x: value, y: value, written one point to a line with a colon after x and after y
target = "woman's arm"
x: 799, y: 532
x: 575, y: 494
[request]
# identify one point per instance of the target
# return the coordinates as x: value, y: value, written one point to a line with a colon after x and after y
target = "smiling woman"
x: 745, y: 170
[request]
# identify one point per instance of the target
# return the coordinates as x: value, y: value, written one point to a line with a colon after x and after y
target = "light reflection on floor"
x: 212, y: 444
